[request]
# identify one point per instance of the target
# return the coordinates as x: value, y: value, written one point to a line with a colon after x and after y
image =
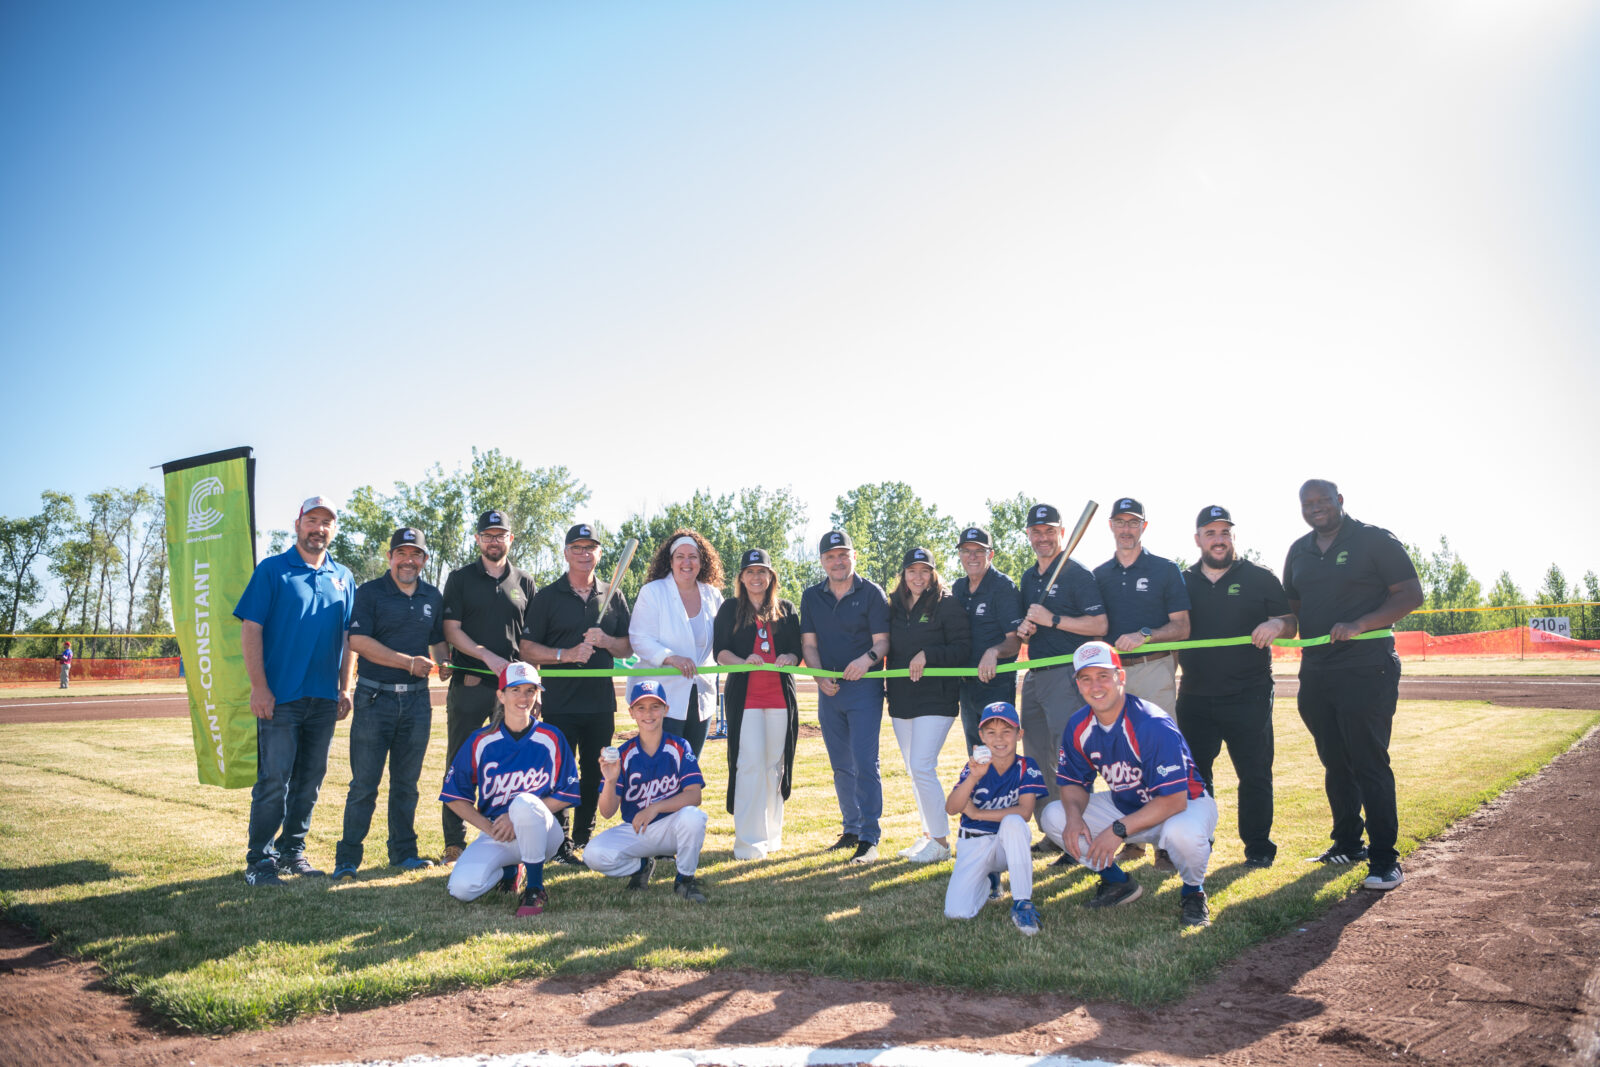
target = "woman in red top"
x: 763, y: 720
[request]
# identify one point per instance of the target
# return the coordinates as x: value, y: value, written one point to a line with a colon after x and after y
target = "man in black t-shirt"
x: 1345, y: 578
x: 1226, y: 693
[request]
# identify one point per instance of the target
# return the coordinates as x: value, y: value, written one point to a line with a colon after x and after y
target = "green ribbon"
x: 927, y: 672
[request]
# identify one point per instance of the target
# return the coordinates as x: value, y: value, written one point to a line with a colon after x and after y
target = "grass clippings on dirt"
x: 108, y: 844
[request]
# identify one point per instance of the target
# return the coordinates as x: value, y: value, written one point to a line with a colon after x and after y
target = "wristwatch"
x: 1146, y: 631
x: 1119, y: 829
x: 872, y: 654
x: 1055, y: 622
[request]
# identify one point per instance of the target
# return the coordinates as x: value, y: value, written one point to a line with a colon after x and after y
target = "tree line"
x: 107, y: 560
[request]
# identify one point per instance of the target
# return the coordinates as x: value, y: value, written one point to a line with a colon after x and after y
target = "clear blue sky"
x: 1195, y: 253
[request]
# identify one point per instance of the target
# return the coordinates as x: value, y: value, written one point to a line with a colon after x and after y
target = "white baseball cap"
x: 519, y: 673
x: 318, y: 502
x: 1095, y: 654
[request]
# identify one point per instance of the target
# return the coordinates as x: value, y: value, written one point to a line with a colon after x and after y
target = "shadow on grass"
x: 56, y: 875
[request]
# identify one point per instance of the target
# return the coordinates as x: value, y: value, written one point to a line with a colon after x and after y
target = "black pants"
x: 1350, y: 712
x: 466, y: 707
x: 587, y: 732
x: 975, y: 696
x: 1242, y: 721
x: 692, y: 728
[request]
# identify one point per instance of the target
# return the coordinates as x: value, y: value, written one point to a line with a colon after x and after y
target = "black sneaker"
x: 1110, y: 894
x: 567, y: 855
x: 1045, y: 846
x: 641, y: 878
x: 1383, y: 877
x: 688, y: 890
x: 1194, y: 910
x: 866, y: 852
x: 298, y: 864
x: 1259, y: 859
x: 845, y: 841
x: 509, y: 877
x: 1337, y: 856
x: 263, y: 873
x: 1066, y: 859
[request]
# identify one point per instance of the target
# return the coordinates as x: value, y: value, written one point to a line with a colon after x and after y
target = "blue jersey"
x: 1141, y: 756
x: 646, y: 779
x: 493, y: 767
x: 996, y: 791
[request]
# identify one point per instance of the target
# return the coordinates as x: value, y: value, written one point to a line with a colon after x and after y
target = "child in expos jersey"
x: 509, y: 779
x: 656, y: 781
x: 995, y: 797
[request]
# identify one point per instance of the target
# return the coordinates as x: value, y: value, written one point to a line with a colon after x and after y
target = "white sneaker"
x: 913, y: 848
x: 930, y: 852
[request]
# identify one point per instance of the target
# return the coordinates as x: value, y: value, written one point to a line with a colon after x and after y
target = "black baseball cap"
x: 976, y: 535
x: 756, y: 557
x: 1043, y: 515
x: 582, y: 532
x: 918, y: 555
x: 408, y: 535
x: 1214, y: 513
x: 493, y: 520
x: 1127, y: 506
x: 833, y: 539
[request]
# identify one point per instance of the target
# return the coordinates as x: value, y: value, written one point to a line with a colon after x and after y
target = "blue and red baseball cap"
x: 518, y: 673
x: 1095, y: 654
x: 645, y: 687
x: 1000, y: 709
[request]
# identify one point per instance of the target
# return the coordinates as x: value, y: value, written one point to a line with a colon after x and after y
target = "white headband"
x: 686, y: 540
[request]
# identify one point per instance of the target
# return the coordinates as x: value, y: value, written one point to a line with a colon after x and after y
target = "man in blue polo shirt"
x: 294, y: 615
x: 993, y: 606
x: 1146, y: 602
x: 844, y: 626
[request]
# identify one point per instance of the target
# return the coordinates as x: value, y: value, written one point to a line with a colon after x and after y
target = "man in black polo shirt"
x: 1226, y: 693
x: 563, y: 630
x: 1342, y: 579
x: 396, y: 622
x: 1055, y: 622
x: 993, y: 607
x: 1146, y: 602
x: 484, y: 606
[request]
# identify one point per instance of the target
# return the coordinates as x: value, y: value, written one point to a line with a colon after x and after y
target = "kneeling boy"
x: 655, y: 779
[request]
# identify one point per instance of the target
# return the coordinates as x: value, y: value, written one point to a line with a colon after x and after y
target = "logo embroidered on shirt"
x: 980, y: 609
x: 1342, y: 558
x: 1233, y: 590
x: 1166, y: 768
x: 1142, y: 585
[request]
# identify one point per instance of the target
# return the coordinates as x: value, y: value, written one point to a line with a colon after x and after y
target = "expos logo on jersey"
x: 499, y: 788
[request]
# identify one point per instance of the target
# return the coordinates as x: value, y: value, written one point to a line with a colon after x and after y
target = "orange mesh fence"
x: 14, y: 671
x: 1518, y: 642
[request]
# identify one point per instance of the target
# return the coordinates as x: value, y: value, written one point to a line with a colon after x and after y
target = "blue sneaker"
x: 410, y: 863
x: 341, y: 871
x: 1026, y: 917
x: 994, y: 885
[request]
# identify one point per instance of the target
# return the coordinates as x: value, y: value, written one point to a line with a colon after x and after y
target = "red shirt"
x: 765, y: 687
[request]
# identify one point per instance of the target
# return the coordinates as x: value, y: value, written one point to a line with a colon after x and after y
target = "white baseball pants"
x: 978, y: 857
x: 480, y: 866
x: 758, y: 786
x: 921, y: 739
x: 1186, y: 836
x: 616, y: 852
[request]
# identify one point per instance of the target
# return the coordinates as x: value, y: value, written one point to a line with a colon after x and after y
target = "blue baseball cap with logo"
x: 645, y: 687
x: 1000, y: 709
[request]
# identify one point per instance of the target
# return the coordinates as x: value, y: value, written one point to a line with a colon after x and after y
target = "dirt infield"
x: 1488, y: 954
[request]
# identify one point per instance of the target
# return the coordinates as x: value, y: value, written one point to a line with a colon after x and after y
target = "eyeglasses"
x: 1126, y: 524
x: 495, y: 538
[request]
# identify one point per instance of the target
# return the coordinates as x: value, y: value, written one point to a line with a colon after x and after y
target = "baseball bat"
x: 1072, y: 542
x: 628, y: 549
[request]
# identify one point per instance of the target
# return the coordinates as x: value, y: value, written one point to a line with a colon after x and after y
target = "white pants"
x: 1155, y: 682
x: 1186, y: 836
x: 616, y: 852
x: 921, y: 739
x: 480, y: 866
x: 758, y: 785
x: 978, y: 857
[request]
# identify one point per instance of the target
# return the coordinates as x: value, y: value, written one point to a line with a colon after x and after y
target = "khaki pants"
x: 1155, y: 681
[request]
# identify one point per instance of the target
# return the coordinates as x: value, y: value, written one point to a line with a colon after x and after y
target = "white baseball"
x: 981, y: 753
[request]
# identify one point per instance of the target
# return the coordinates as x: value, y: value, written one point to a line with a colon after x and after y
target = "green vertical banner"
x: 211, y: 545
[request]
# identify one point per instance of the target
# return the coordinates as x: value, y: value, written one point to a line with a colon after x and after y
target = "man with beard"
x: 1343, y: 579
x: 484, y: 606
x: 397, y: 622
x: 1226, y: 692
x: 293, y: 618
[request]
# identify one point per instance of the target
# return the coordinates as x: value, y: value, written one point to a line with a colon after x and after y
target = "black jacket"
x: 741, y: 642
x: 939, y: 627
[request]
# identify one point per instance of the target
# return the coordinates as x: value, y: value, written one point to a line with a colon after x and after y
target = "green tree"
x: 1007, y: 526
x: 1555, y: 589
x: 23, y: 543
x: 884, y: 520
x: 1505, y: 593
x: 1591, y: 587
x: 732, y: 523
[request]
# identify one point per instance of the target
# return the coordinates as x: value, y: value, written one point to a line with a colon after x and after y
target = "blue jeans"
x: 390, y: 727
x: 850, y: 723
x: 291, y: 758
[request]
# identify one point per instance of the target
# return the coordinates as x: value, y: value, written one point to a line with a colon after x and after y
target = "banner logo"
x: 202, y: 516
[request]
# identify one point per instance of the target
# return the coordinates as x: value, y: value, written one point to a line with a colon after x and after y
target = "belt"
x: 963, y: 834
x: 387, y: 687
x: 1146, y: 656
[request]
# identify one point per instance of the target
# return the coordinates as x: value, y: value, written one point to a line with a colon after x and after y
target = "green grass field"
x: 109, y: 845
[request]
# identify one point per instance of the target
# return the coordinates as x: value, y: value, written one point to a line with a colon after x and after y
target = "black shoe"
x: 1337, y: 856
x: 298, y: 864
x: 1259, y: 859
x: 845, y: 841
x: 568, y: 856
x: 866, y: 852
x: 1383, y: 878
x: 688, y: 890
x: 641, y: 878
x: 1066, y: 859
x: 1110, y: 894
x: 263, y: 873
x: 1045, y: 846
x: 1194, y: 910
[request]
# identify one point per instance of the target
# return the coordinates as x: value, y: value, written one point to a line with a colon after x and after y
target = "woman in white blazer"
x: 672, y: 626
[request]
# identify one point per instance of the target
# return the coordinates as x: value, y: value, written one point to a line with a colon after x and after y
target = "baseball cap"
x: 645, y: 687
x: 493, y: 520
x: 918, y: 555
x: 408, y: 535
x: 318, y: 502
x: 1000, y: 709
x: 834, y: 539
x: 975, y: 535
x: 1095, y: 654
x: 581, y: 532
x: 1043, y: 515
x: 519, y: 673
x: 756, y: 557
x: 1127, y: 506
x: 1212, y: 514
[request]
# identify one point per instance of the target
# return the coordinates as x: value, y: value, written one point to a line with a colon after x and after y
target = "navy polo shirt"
x: 400, y: 622
x: 1146, y: 593
x: 844, y: 626
x: 1074, y: 593
x: 1342, y: 584
x: 1232, y: 606
x: 992, y: 612
x: 303, y: 613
